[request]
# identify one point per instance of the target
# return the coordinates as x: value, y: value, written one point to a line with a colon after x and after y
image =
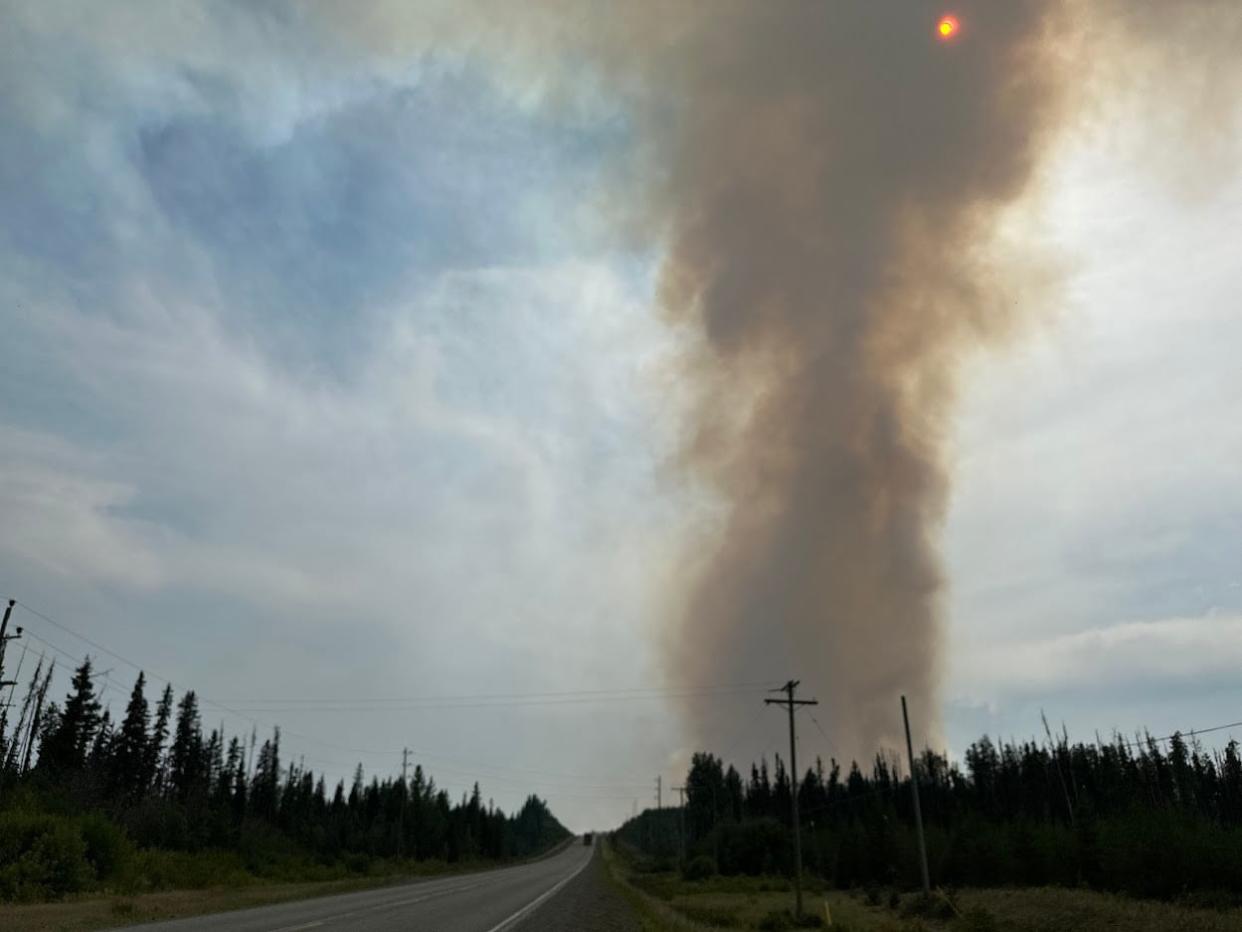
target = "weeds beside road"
x: 226, y: 891
x: 667, y: 901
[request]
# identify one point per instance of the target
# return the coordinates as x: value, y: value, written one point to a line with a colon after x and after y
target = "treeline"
x: 82, y: 796
x: 1134, y: 817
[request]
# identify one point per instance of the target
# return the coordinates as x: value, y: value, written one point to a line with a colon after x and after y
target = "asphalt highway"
x: 488, y: 901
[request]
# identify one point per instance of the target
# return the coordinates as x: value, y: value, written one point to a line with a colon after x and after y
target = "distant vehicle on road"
x: 588, y: 839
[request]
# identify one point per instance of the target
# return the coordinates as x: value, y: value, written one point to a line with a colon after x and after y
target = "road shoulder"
x: 590, y: 902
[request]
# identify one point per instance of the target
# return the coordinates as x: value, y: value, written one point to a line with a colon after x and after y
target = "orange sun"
x: 948, y: 27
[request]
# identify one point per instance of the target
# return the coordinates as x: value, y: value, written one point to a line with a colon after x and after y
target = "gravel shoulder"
x: 590, y: 902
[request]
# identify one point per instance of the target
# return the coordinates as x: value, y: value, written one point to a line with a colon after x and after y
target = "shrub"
x: 157, y: 823
x: 978, y: 920
x: 108, y: 850
x: 719, y: 917
x: 758, y: 846
x: 41, y: 857
x: 700, y: 868
x: 166, y: 870
x: 782, y: 919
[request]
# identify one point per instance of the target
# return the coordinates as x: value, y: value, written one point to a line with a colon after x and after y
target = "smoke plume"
x: 836, y: 176
x: 831, y: 181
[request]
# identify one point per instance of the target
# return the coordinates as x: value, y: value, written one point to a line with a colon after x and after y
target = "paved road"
x: 489, y: 901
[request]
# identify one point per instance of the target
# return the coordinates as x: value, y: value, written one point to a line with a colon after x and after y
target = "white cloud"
x: 1093, y: 537
x: 482, y: 498
x: 1132, y: 656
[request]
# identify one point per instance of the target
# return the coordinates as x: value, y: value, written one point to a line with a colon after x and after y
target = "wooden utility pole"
x: 405, y: 763
x: 795, y: 784
x: 918, y: 811
x: 1054, y: 750
x: 5, y: 637
x: 681, y: 823
x: 659, y: 792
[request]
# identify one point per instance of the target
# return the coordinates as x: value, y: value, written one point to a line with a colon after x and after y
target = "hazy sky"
x: 326, y: 379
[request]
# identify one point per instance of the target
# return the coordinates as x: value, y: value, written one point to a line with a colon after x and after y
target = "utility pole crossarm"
x: 4, y: 627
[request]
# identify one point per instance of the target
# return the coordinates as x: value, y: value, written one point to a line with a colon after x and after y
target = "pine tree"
x: 130, y: 767
x: 240, y: 790
x: 100, y: 757
x: 186, y: 757
x: 153, y: 775
x: 213, y: 761
x: 69, y: 738
x: 265, y: 788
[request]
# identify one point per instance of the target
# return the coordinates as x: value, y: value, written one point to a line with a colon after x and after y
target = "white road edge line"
x: 534, y: 904
x: 420, y: 899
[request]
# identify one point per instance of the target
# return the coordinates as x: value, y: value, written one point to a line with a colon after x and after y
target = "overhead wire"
x: 313, y: 704
x: 636, y: 692
x: 832, y: 747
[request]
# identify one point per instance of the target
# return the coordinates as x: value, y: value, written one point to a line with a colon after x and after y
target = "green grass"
x: 212, y: 882
x: 1049, y: 909
x: 667, y: 902
x: 87, y: 912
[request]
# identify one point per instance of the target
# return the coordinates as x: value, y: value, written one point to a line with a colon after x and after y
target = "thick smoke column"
x: 835, y: 178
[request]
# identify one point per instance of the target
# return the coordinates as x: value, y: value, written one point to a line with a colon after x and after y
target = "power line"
x: 434, y: 705
x: 108, y: 685
x: 1194, y: 732
x: 831, y: 744
x: 655, y: 692
x: 253, y: 720
x: 745, y: 732
x: 428, y: 706
x: 623, y: 693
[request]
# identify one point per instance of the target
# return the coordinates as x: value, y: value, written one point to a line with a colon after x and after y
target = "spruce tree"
x: 68, y: 737
x: 265, y: 788
x: 153, y: 776
x: 100, y: 756
x: 130, y: 759
x: 186, y: 757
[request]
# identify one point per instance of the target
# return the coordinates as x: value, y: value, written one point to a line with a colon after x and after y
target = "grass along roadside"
x: 666, y: 901
x: 653, y: 915
x: 95, y: 911
x: 87, y: 912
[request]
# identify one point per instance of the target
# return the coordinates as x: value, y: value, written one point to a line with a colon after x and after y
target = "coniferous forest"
x: 150, y: 801
x: 1152, y: 818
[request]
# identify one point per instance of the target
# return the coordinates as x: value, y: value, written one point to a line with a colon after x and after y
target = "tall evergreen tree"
x: 100, y: 756
x: 154, y: 773
x: 186, y: 758
x: 265, y: 787
x: 69, y: 738
x: 130, y: 761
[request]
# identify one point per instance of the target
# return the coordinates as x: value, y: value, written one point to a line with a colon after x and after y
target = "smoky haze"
x: 835, y: 190
x: 826, y: 180
x: 836, y: 178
